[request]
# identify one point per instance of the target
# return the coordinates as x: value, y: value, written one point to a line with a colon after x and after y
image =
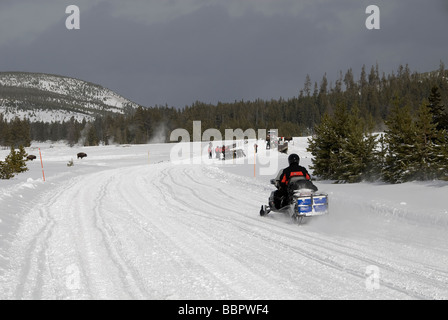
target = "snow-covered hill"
x: 44, y: 97
x: 126, y: 222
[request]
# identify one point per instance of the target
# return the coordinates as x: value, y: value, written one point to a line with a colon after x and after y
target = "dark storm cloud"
x: 223, y: 51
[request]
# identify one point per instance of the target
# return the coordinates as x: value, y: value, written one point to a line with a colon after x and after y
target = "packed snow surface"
x: 128, y: 222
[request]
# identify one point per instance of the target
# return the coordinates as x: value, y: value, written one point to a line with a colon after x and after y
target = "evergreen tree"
x: 4, y: 131
x: 342, y: 147
x: 6, y: 171
x: 439, y: 115
x: 356, y: 157
x: 14, y: 163
x: 400, y: 145
x: 92, y: 139
x: 323, y: 146
x: 20, y: 160
x: 19, y: 133
x: 378, y: 163
x: 430, y: 160
x: 71, y: 132
x: 307, y: 86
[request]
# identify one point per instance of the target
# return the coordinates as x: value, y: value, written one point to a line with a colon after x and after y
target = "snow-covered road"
x: 166, y: 231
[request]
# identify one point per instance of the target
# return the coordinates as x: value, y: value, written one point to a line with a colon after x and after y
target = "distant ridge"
x: 54, y: 98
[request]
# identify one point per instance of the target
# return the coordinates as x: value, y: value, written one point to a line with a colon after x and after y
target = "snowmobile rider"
x: 284, y: 176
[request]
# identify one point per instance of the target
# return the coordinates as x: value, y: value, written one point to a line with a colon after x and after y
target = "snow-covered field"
x: 128, y: 223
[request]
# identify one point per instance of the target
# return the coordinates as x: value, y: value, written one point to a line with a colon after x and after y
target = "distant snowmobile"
x: 302, y: 201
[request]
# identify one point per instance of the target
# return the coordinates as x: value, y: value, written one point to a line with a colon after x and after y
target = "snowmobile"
x: 301, y: 201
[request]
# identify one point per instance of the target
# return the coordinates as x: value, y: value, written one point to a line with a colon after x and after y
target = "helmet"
x: 293, y: 158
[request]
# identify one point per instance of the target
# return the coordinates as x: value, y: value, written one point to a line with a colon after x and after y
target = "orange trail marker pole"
x: 42, y: 165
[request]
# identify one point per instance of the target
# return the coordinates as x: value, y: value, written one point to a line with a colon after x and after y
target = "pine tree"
x: 14, y: 163
x: 355, y: 157
x: 71, y: 132
x: 400, y: 142
x: 443, y: 157
x: 6, y: 171
x: 21, y: 160
x: 19, y: 133
x: 16, y: 160
x: 307, y: 86
x: 92, y: 139
x: 439, y: 116
x: 378, y: 164
x: 323, y: 146
x: 342, y: 147
x: 4, y: 130
x: 429, y: 157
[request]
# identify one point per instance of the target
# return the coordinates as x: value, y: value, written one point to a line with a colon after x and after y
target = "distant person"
x: 210, y: 150
x: 217, y: 152
x: 256, y: 148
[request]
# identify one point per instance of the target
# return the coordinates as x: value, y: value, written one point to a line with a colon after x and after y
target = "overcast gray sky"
x: 178, y: 51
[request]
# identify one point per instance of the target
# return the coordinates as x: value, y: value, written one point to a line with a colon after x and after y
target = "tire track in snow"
x: 327, y: 251
x: 35, y: 255
x: 130, y: 283
x: 127, y: 193
x: 324, y: 257
x: 123, y: 213
x: 241, y: 223
x: 166, y: 231
x: 34, y: 278
x: 221, y: 241
x: 110, y: 274
x: 201, y: 242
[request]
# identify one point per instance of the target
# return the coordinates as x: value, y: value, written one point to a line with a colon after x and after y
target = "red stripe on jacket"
x: 295, y: 174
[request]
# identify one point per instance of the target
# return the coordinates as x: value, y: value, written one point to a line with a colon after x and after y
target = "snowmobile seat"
x: 297, y: 183
x: 297, y: 178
